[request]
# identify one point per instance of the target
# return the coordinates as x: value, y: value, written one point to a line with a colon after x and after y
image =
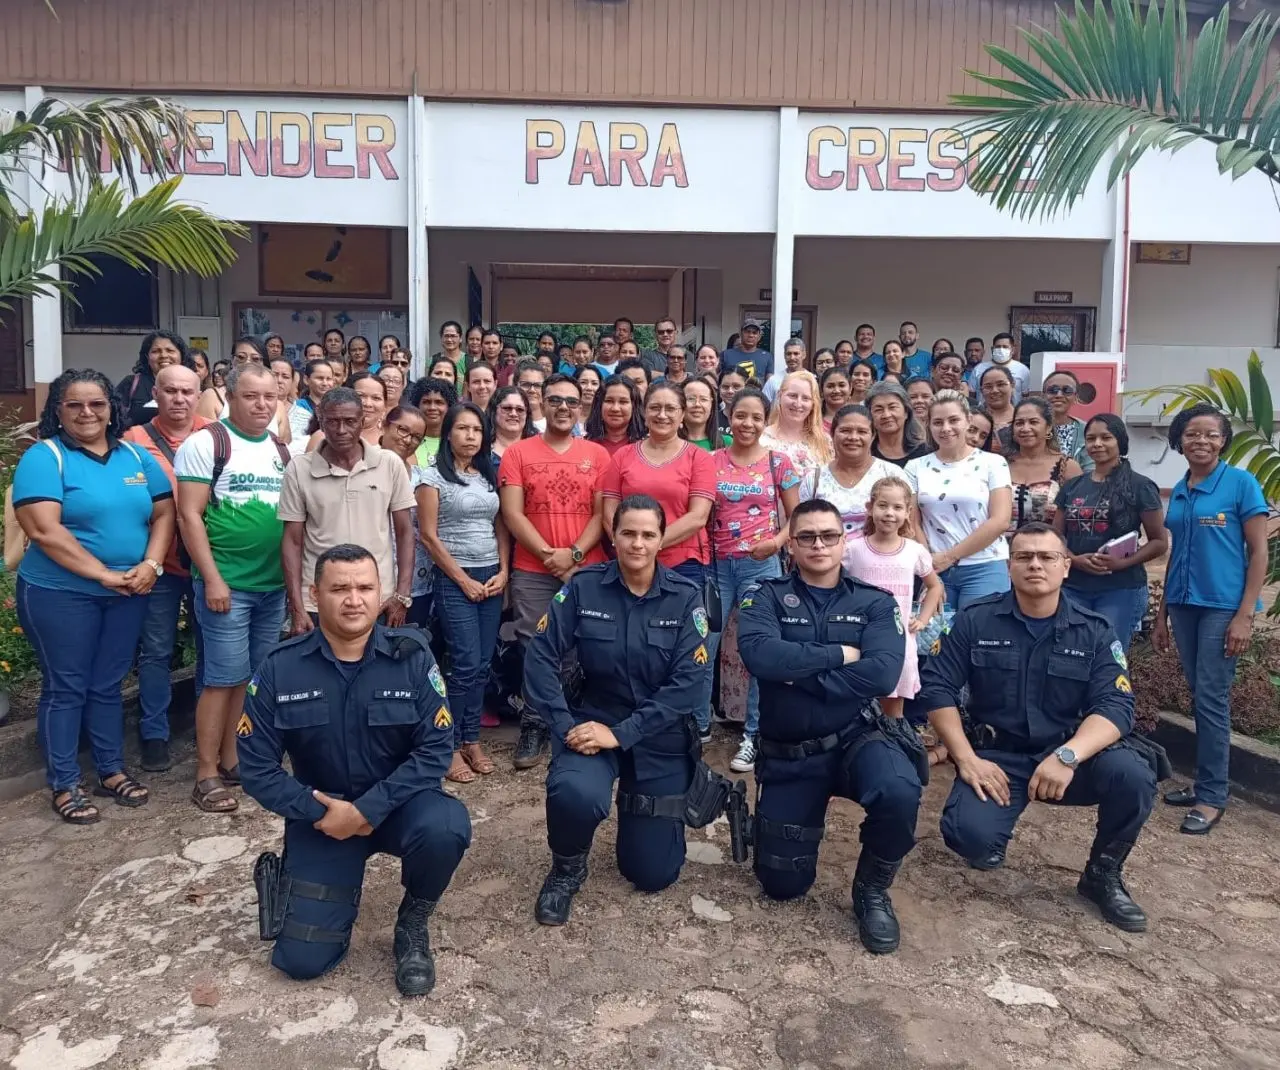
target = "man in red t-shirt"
x: 176, y: 393
x: 548, y: 487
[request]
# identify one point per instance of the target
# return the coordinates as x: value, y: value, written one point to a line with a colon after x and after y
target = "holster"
x: 1154, y: 754
x: 268, y: 879
x: 699, y: 806
x: 895, y: 730
x: 741, y: 827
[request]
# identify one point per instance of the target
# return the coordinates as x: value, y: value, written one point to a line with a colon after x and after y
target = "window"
x: 120, y: 299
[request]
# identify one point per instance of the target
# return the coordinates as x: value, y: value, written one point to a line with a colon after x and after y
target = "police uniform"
x: 376, y: 734
x: 1030, y: 687
x: 819, y: 738
x: 643, y: 663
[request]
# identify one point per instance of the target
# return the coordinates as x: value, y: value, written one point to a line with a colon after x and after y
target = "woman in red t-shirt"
x: 615, y: 420
x: 677, y: 473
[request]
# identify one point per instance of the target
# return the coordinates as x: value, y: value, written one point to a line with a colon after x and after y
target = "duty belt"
x: 809, y: 747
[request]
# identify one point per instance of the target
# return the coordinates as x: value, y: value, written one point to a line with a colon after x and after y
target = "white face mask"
x: 1001, y: 354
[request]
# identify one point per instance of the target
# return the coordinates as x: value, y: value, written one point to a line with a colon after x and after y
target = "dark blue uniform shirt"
x: 791, y: 645
x: 644, y: 659
x: 375, y: 740
x: 1035, y: 690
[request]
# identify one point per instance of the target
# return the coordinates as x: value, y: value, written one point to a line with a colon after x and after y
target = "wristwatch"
x: 1067, y: 757
x: 576, y: 554
x: 159, y: 568
x: 405, y: 600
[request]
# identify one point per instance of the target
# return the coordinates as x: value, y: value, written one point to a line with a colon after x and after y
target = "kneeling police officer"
x: 638, y: 629
x: 823, y: 646
x: 1051, y: 711
x: 359, y: 709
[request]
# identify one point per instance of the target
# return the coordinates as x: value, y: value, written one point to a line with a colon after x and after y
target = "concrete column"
x: 46, y: 310
x: 1113, y: 309
x: 419, y: 298
x: 784, y: 237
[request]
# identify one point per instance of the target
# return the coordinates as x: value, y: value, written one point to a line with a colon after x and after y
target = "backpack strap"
x: 221, y: 455
x: 282, y: 449
x: 161, y: 443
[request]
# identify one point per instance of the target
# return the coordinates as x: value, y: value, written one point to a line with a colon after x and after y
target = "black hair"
x: 1063, y: 371
x: 854, y: 408
x: 663, y: 384
x: 640, y: 503
x: 50, y: 424
x: 818, y: 352
x: 401, y: 411
x: 346, y: 553
x: 427, y: 385
x: 483, y: 460
x: 734, y: 369
x: 947, y: 354
x: 249, y: 340
x: 143, y: 366
x: 623, y: 319
x: 439, y: 358
x: 628, y: 363
x: 1038, y: 527
x: 835, y: 369
x: 339, y: 395
x: 396, y: 340
x: 308, y: 346
x: 978, y: 410
x: 485, y: 332
x: 814, y: 505
x: 843, y: 342
x: 609, y: 335
x: 356, y: 377
x: 594, y: 423
x: 477, y: 364
x: 194, y: 352
x: 557, y: 379
x: 528, y: 364
x: 445, y: 326
x: 863, y: 327
x: 969, y: 341
x: 997, y: 368
x: 312, y: 365
x: 749, y: 392
x: 266, y: 340
x: 499, y: 396
x: 864, y: 364
x: 908, y: 323
x: 1002, y: 334
x: 583, y: 338
x: 912, y: 380
x: 547, y: 334
x: 950, y: 348
x: 1201, y: 408
x: 359, y: 338
x: 1046, y: 414
x: 577, y: 374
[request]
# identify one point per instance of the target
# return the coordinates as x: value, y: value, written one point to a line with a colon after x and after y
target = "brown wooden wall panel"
x: 833, y: 54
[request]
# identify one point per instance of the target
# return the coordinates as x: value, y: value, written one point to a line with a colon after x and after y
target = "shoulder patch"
x: 748, y: 596
x: 562, y: 594
x: 700, y: 655
x: 700, y: 621
x: 437, y: 681
x: 1123, y: 685
x: 244, y: 726
x: 251, y: 688
x: 542, y: 623
x: 1117, y: 655
x: 443, y: 718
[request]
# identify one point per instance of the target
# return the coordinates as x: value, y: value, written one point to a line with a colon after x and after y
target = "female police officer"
x: 638, y: 629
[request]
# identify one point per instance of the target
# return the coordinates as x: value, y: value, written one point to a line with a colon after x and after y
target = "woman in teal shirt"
x: 1217, y: 521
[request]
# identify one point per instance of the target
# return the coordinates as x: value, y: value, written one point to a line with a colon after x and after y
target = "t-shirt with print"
x: 464, y: 516
x: 674, y: 484
x: 802, y: 456
x: 747, y: 495
x: 1092, y: 518
x: 559, y: 493
x: 851, y: 501
x: 953, y: 497
x: 240, y: 519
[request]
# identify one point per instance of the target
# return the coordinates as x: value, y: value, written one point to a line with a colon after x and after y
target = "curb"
x: 22, y: 764
x: 1255, y: 766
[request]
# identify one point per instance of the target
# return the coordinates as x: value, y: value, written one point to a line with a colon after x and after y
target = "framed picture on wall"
x: 305, y: 260
x: 1163, y: 252
x: 299, y: 324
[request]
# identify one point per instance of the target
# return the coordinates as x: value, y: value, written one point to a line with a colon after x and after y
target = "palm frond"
x: 1131, y: 76
x: 152, y: 227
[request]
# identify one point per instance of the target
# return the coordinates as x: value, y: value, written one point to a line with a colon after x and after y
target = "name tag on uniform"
x: 794, y: 620
x: 995, y: 642
x: 846, y: 618
x: 298, y: 696
x: 1073, y: 653
x: 395, y: 694
x: 595, y: 614
x: 665, y: 623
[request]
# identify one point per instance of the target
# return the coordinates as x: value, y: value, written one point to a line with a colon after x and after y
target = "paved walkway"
x: 133, y: 945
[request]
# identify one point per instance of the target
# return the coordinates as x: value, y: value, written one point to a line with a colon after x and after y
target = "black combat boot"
x: 415, y: 968
x: 993, y: 860
x: 1102, y: 883
x: 562, y: 884
x: 877, y: 923
x: 534, y: 740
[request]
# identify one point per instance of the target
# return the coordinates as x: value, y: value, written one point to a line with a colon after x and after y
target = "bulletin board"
x: 316, y: 260
x: 301, y: 323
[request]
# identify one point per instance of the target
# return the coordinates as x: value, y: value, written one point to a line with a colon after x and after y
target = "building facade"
x: 569, y: 161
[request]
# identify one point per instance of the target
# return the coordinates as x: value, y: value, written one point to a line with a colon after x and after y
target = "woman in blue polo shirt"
x: 99, y: 513
x: 1217, y: 521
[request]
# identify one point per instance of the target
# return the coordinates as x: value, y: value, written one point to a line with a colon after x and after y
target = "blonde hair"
x: 950, y: 397
x: 907, y: 530
x: 812, y: 433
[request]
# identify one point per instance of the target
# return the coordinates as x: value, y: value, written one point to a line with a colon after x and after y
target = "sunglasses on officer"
x: 809, y: 539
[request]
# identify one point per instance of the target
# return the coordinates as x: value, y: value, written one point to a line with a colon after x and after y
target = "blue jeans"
x: 1124, y: 608
x: 155, y: 653
x: 471, y: 632
x: 697, y: 571
x: 236, y: 642
x: 965, y: 584
x: 1201, y: 635
x: 85, y: 645
x: 733, y: 575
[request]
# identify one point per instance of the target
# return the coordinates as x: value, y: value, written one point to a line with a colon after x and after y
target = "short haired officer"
x: 1050, y: 706
x: 359, y: 709
x: 639, y: 630
x: 823, y: 646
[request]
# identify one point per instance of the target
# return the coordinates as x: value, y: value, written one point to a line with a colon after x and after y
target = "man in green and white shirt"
x: 229, y: 478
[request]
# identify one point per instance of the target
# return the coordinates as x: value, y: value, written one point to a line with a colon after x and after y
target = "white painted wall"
x: 952, y: 289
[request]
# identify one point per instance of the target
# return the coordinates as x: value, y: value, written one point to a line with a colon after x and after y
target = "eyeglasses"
x: 809, y: 539
x: 666, y: 330
x: 530, y: 386
x: 1067, y: 391
x: 512, y: 410
x: 396, y: 363
x: 1045, y: 557
x: 405, y: 431
x: 101, y: 405
x: 1202, y: 436
x: 563, y: 403
x: 663, y: 410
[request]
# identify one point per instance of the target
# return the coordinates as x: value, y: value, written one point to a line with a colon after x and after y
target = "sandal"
x: 76, y: 809
x: 212, y: 796
x: 477, y: 759
x: 459, y: 771
x: 230, y: 777
x: 125, y: 791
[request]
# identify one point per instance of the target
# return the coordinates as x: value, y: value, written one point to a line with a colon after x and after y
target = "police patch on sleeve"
x: 542, y: 623
x: 700, y: 655
x: 748, y: 596
x: 897, y: 619
x: 562, y: 594
x: 437, y: 681
x: 700, y: 621
x: 1123, y: 685
x: 1117, y: 655
x: 244, y: 726
x: 252, y: 687
x: 443, y: 718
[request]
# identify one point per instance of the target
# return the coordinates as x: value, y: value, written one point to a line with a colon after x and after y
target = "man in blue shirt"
x: 915, y: 360
x: 747, y: 355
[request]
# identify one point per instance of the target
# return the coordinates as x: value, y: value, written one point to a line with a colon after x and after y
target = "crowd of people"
x: 480, y: 490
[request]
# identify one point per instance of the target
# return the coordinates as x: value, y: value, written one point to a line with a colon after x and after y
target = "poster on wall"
x: 203, y: 332
x: 299, y: 324
x: 304, y: 260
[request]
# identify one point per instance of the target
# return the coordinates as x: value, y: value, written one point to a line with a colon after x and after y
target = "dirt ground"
x: 134, y: 945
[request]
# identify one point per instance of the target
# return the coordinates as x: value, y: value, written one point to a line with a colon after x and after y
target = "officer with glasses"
x: 822, y: 647
x: 1050, y: 713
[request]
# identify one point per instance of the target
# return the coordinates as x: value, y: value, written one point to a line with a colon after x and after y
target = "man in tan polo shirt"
x: 347, y: 491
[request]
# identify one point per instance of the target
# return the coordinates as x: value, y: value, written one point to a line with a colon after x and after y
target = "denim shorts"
x: 236, y: 642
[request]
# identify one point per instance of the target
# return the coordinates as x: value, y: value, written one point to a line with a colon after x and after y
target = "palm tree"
x: 103, y: 146
x: 1134, y: 76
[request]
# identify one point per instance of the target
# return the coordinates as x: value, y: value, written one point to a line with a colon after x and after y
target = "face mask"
x: 1001, y: 354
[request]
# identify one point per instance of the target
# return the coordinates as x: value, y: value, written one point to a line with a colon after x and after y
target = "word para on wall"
x: 625, y: 154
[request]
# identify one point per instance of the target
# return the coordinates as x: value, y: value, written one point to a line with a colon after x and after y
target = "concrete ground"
x: 133, y: 944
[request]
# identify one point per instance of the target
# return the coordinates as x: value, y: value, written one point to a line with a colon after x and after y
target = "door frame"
x: 1046, y: 312
x: 808, y: 313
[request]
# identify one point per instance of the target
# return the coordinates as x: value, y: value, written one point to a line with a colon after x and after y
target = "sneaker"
x: 533, y: 740
x: 745, y: 760
x: 155, y: 755
x: 704, y: 735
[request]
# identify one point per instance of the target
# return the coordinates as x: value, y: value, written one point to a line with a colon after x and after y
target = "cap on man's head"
x: 752, y: 323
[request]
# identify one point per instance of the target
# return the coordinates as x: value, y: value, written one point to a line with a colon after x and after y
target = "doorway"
x: 804, y: 320
x: 1052, y: 330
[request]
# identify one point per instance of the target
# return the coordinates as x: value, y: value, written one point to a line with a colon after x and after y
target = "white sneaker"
x: 745, y: 760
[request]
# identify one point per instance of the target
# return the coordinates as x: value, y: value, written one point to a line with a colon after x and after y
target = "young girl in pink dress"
x: 891, y: 559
